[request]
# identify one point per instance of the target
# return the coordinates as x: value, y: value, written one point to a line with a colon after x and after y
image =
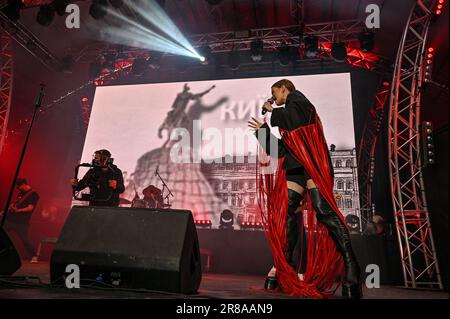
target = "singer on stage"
x: 304, y: 175
x: 104, y: 179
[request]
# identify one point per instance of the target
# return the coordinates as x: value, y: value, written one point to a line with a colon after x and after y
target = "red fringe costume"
x: 324, y: 267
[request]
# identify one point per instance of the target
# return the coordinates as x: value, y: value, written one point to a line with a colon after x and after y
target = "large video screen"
x: 190, y: 140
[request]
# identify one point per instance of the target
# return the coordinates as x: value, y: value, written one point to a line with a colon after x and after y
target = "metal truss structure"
x: 346, y: 31
x: 367, y: 152
x: 418, y: 254
x: 29, y: 42
x: 6, y: 81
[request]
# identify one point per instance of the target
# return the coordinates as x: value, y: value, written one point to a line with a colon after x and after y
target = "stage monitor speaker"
x: 9, y: 257
x: 155, y: 249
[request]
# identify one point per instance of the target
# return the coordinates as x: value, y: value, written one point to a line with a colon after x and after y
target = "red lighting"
x: 441, y: 1
x: 439, y: 7
x: 429, y: 61
x: 385, y: 83
x: 430, y: 55
x: 438, y: 12
x: 430, y: 49
x: 202, y: 222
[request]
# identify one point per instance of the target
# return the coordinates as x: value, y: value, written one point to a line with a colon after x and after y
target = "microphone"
x: 40, y: 96
x: 271, y: 101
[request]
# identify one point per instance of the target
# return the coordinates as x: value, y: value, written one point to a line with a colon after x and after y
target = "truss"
x: 418, y: 254
x: 367, y: 152
x: 346, y: 31
x: 6, y: 77
x: 29, y: 42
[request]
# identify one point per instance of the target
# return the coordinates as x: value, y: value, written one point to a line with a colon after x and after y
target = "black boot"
x: 292, y: 226
x: 351, y: 288
x: 292, y: 229
x: 271, y: 282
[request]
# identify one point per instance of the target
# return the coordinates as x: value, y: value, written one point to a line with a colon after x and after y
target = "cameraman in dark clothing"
x: 104, y: 179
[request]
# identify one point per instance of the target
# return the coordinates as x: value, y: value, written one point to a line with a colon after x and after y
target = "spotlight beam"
x: 153, y: 13
x: 136, y: 33
x: 132, y: 33
x: 137, y: 38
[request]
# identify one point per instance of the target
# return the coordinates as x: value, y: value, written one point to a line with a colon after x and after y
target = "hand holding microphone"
x: 267, y: 106
x: 73, y: 182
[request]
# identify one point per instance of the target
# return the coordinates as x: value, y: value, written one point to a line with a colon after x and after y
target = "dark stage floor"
x: 213, y: 286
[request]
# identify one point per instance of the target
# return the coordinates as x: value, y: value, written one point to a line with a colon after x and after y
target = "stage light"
x: 366, y: 41
x: 205, y: 55
x: 45, y: 15
x: 203, y: 223
x: 311, y: 46
x: 439, y: 7
x: 251, y: 225
x: 226, y: 219
x: 12, y: 9
x: 284, y: 55
x: 256, y: 50
x: 116, y: 3
x: 339, y: 51
x: 428, y: 66
x: 428, y: 144
x: 234, y: 60
x: 60, y: 6
x: 352, y: 222
x: 98, y: 9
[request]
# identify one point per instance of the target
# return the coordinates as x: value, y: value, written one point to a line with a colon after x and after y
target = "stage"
x: 187, y: 153
x: 213, y: 286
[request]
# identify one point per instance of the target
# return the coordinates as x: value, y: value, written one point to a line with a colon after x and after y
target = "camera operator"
x: 104, y: 179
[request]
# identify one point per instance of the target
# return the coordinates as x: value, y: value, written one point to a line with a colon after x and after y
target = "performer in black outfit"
x: 105, y: 181
x: 301, y: 143
x: 20, y: 212
x: 295, y: 173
